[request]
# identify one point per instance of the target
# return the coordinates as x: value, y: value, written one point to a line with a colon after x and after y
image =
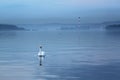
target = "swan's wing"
x: 42, y: 53
x: 39, y: 53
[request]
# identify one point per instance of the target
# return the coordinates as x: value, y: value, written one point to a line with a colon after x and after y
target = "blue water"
x: 70, y: 55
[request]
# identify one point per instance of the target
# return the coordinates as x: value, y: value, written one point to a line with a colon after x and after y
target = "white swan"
x: 41, y: 53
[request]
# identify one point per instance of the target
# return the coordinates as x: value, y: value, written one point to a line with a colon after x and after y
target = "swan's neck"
x: 40, y: 50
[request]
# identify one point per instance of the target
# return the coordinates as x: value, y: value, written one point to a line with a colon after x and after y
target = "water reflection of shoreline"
x: 7, y: 34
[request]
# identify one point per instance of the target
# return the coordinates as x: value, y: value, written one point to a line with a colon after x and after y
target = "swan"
x: 41, y: 53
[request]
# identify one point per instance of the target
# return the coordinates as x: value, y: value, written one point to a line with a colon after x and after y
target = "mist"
x: 59, y: 11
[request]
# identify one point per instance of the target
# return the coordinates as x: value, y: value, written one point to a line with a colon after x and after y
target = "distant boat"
x: 41, y: 53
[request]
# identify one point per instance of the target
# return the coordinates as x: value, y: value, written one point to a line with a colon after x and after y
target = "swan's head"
x: 40, y: 47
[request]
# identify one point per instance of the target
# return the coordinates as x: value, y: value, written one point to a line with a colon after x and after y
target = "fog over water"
x: 70, y: 55
x: 80, y: 39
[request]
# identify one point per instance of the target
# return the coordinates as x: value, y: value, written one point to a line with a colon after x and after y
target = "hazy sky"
x: 65, y: 11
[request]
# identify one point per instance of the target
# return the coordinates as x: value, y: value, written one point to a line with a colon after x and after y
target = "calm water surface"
x: 70, y: 55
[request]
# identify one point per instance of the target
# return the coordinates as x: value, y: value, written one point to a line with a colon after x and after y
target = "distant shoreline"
x: 115, y: 27
x: 9, y: 27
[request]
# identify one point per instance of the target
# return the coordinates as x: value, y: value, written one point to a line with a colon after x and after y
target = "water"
x: 70, y: 55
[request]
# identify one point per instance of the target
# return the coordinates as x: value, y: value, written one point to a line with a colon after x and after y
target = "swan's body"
x: 41, y: 53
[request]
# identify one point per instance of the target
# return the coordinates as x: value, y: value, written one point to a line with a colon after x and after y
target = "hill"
x: 113, y: 27
x: 8, y: 27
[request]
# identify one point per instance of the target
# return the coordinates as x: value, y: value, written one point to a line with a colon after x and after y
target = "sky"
x: 59, y: 11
